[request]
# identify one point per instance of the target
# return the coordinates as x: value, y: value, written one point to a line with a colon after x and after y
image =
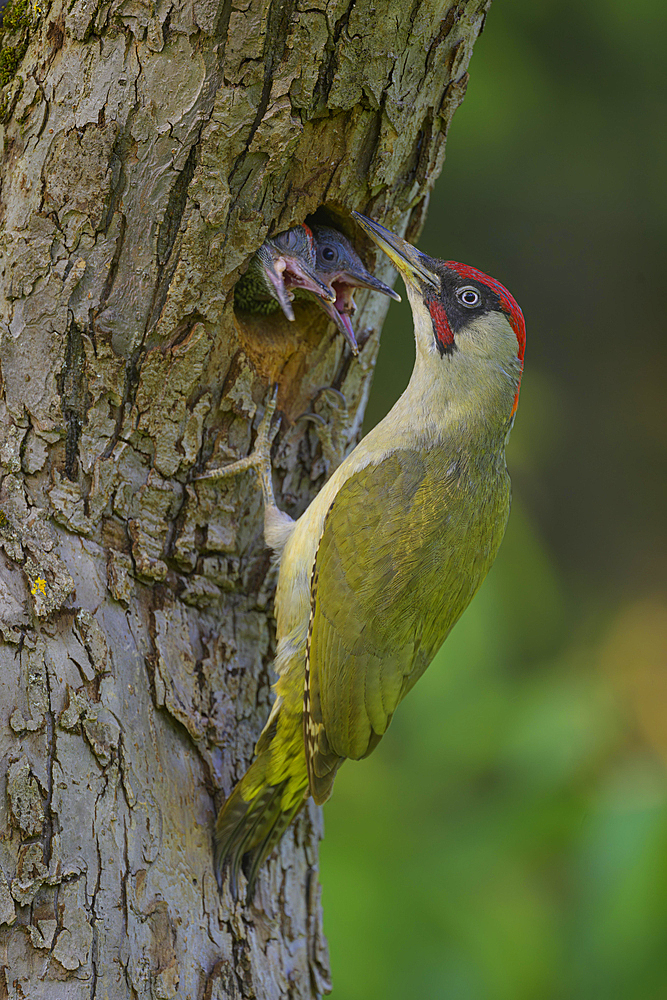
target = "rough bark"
x: 147, y: 150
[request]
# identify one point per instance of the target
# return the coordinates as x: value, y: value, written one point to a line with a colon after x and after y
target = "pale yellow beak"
x: 409, y: 261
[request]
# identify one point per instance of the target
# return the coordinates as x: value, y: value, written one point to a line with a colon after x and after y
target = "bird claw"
x: 314, y: 418
x: 260, y: 456
x: 342, y: 402
x: 331, y: 433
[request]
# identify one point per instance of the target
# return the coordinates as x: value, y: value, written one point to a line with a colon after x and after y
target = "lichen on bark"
x: 147, y: 151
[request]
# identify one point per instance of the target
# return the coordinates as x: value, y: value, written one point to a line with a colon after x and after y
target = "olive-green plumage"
x: 386, y: 558
x: 378, y: 621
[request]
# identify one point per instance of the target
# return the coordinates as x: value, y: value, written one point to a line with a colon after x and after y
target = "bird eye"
x: 469, y: 296
x: 286, y: 240
x: 328, y: 253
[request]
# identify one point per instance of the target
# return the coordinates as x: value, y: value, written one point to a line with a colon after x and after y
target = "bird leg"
x: 332, y: 432
x: 277, y: 524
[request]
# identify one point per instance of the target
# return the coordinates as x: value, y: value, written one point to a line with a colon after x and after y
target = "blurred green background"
x: 508, y: 839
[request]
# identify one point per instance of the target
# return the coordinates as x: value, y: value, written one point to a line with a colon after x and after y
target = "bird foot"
x: 260, y: 456
x: 331, y: 432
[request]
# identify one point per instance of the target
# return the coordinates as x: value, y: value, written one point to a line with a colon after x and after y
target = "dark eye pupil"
x: 470, y: 297
x: 328, y: 253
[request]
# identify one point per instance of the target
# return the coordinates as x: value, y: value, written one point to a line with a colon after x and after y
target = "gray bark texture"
x: 147, y: 149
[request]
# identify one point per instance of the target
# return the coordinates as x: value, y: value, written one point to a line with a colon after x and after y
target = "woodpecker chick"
x: 383, y: 562
x: 282, y: 264
x: 340, y: 267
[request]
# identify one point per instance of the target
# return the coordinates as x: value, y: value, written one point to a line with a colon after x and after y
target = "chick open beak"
x: 301, y: 275
x: 407, y: 259
x: 340, y: 313
x: 285, y: 272
x: 274, y: 271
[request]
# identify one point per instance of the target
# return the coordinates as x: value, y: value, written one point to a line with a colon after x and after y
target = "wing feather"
x: 399, y: 559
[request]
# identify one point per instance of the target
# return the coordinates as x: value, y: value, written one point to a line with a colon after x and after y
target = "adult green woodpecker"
x: 383, y: 562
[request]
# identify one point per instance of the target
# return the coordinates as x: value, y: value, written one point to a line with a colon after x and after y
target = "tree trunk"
x: 148, y: 149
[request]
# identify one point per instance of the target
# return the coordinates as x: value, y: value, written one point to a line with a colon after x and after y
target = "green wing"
x: 405, y: 545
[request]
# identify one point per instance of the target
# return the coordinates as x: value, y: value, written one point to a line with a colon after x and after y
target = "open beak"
x: 300, y: 275
x: 407, y: 259
x: 343, y: 322
x: 287, y: 271
x: 274, y: 270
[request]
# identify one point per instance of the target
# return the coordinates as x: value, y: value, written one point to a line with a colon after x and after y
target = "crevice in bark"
x: 47, y: 831
x: 220, y: 30
x: 169, y: 226
x: 330, y: 56
x: 94, y: 918
x: 422, y: 151
x: 73, y: 389
x: 173, y: 530
x: 132, y: 373
x: 452, y: 16
x: 167, y: 234
x: 280, y: 14
x: 373, y: 132
x: 120, y: 242
x: 124, y: 876
x: 165, y: 28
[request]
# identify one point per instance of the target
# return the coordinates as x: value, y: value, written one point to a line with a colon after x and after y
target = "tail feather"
x: 264, y: 803
x: 261, y: 853
x: 239, y: 827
